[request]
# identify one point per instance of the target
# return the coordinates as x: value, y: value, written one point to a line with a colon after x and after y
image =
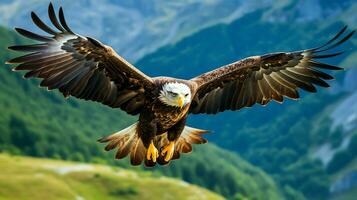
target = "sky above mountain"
x: 137, y: 27
x: 134, y: 28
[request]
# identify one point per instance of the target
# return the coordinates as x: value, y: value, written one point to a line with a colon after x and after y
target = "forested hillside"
x: 39, y: 123
x: 288, y: 141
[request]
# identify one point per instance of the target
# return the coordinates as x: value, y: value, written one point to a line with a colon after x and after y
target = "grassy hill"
x: 31, y: 178
x: 39, y: 123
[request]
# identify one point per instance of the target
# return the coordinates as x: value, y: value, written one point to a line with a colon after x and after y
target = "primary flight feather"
x: 87, y: 69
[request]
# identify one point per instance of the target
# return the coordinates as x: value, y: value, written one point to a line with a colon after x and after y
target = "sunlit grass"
x: 32, y: 178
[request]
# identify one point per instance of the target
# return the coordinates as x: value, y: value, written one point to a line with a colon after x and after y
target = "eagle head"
x: 175, y: 94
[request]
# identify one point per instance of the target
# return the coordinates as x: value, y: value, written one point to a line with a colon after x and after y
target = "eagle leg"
x: 172, y: 135
x: 152, y: 153
x: 168, y: 151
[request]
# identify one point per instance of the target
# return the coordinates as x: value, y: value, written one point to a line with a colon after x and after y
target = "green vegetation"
x: 223, y: 172
x: 39, y: 123
x: 30, y: 178
x: 349, y: 195
x: 345, y: 157
x: 277, y: 138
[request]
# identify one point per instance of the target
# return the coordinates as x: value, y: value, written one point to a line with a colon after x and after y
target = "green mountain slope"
x: 277, y: 138
x: 225, y: 173
x: 30, y: 178
x: 39, y: 123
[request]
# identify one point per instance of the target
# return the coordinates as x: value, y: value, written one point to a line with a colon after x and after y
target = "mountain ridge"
x: 136, y: 28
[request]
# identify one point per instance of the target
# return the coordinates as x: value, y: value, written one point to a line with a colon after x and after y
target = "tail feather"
x: 126, y: 141
x: 188, y: 137
x: 124, y: 149
x: 183, y: 144
x: 193, y: 135
x: 138, y: 152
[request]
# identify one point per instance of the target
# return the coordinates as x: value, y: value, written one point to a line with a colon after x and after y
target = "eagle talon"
x: 152, y: 152
x: 169, y: 151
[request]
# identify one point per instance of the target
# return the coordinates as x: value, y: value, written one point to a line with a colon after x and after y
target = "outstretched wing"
x: 81, y: 66
x: 260, y: 79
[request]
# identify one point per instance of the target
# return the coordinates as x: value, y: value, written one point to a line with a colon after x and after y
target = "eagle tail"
x: 183, y: 144
x: 126, y: 141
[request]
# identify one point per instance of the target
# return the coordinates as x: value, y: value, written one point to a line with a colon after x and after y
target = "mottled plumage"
x: 87, y: 69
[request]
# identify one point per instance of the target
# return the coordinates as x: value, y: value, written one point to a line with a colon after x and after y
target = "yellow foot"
x: 169, y: 151
x: 152, y: 152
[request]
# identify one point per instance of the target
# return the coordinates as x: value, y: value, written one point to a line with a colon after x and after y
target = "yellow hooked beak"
x: 180, y: 101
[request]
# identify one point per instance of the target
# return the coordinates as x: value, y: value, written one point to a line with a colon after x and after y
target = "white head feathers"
x: 175, y: 94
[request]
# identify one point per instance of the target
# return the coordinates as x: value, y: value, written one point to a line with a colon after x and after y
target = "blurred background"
x: 298, y: 150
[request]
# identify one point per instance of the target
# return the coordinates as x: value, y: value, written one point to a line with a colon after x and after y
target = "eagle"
x: 85, y: 68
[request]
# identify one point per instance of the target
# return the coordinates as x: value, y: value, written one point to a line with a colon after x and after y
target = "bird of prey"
x: 85, y: 68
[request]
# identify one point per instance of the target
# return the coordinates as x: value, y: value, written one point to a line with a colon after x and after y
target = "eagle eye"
x: 173, y: 94
x: 186, y: 95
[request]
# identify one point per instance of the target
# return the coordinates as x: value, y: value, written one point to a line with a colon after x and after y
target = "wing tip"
x: 63, y: 20
x: 33, y: 14
x: 17, y: 29
x: 8, y: 62
x: 332, y: 43
x: 51, y: 10
x: 13, y: 48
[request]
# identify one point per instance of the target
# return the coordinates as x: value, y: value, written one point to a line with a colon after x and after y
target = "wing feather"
x: 39, y: 23
x: 33, y: 36
x: 260, y: 79
x: 81, y: 66
x: 63, y: 21
x: 53, y: 18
